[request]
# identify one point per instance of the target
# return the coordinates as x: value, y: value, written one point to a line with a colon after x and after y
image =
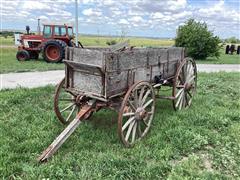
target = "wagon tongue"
x: 56, y: 144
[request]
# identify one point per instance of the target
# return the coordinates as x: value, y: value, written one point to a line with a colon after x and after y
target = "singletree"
x: 199, y: 42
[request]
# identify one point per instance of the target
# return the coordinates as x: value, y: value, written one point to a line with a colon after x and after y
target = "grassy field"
x: 134, y: 41
x: 6, y: 41
x: 223, y: 59
x: 101, y: 41
x: 202, y: 142
x: 8, y: 62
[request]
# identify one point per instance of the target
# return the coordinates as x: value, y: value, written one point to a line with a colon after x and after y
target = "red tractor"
x: 51, y: 43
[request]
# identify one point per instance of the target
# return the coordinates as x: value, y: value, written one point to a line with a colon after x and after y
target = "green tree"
x: 199, y: 42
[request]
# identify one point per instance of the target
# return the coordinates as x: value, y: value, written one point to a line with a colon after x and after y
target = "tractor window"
x: 63, y: 31
x: 70, y: 31
x: 47, y: 31
x: 57, y: 31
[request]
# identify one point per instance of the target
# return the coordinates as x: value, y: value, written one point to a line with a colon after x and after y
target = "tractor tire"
x: 238, y: 50
x: 23, y: 55
x: 54, y: 51
x: 227, y: 49
x: 34, y: 55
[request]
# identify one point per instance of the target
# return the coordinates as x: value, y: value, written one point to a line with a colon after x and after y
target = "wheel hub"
x: 188, y: 86
x: 140, y: 113
x: 53, y: 52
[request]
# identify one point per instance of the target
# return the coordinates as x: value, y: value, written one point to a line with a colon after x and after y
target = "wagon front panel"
x: 86, y: 72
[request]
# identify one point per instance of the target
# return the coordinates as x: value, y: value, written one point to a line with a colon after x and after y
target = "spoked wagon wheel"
x: 185, y: 84
x: 136, y: 113
x: 65, y: 105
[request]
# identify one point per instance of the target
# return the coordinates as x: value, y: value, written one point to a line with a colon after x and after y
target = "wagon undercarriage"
x: 126, y: 81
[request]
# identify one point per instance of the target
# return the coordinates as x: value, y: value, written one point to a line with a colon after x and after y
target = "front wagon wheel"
x: 65, y: 105
x: 136, y: 113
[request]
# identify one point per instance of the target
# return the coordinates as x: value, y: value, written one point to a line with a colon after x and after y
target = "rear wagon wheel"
x: 185, y: 84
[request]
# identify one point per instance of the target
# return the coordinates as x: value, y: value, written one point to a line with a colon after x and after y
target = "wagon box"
x: 104, y: 74
x: 127, y: 80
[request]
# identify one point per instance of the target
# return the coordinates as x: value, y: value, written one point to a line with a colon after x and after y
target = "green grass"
x: 7, y: 41
x: 202, y: 142
x: 223, y: 59
x: 134, y: 41
x: 9, y: 63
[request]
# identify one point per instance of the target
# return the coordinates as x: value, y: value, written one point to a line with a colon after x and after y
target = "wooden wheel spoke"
x: 150, y: 113
x: 68, y: 107
x: 128, y: 114
x: 191, y: 79
x: 147, y: 103
x: 132, y: 105
x: 188, y: 92
x: 144, y: 122
x: 179, y: 92
x: 136, y: 98
x: 141, y: 96
x: 179, y: 98
x: 145, y: 97
x: 139, y: 130
x: 134, y: 131
x: 70, y: 114
x: 130, y: 120
x: 129, y: 130
x: 181, y: 101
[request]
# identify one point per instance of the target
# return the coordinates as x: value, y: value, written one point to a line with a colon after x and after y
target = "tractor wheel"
x: 34, y: 55
x: 54, y: 51
x: 238, y: 50
x: 23, y: 55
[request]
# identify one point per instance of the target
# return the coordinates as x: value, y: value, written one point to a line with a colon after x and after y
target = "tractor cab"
x: 62, y: 32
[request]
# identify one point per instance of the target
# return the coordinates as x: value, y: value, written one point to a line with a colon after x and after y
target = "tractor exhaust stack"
x: 38, y: 27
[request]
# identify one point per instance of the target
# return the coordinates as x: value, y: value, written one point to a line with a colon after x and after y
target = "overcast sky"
x: 155, y: 18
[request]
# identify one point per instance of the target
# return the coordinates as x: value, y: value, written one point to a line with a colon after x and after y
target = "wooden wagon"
x: 124, y: 79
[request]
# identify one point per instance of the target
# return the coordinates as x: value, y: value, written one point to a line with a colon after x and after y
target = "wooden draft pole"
x: 56, y: 144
